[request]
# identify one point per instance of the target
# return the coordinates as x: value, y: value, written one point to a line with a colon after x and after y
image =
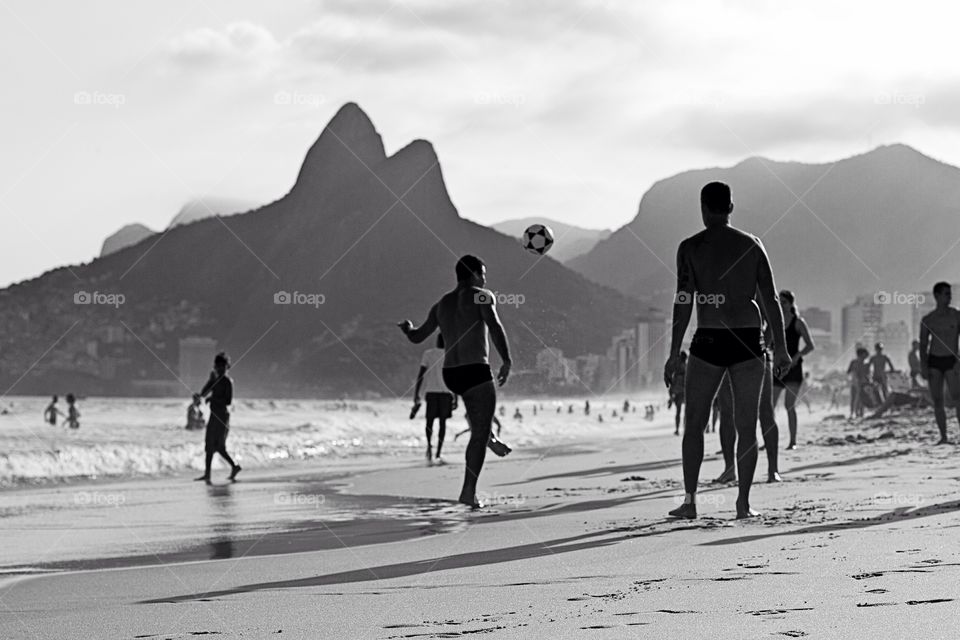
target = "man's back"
x: 462, y: 326
x: 723, y: 267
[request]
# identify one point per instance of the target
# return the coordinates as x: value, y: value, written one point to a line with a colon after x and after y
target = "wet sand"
x: 576, y: 543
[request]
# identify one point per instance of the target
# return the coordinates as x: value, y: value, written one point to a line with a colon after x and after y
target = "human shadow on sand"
x: 602, y: 471
x: 900, y: 514
x: 416, y: 567
x: 826, y: 464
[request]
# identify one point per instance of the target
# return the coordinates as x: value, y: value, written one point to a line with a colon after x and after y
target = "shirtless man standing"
x: 939, y: 331
x: 464, y: 317
x: 725, y: 271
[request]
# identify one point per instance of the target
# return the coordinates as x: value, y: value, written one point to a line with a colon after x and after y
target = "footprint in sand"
x: 933, y: 601
x: 796, y: 633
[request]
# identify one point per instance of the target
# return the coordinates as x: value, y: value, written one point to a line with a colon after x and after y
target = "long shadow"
x: 900, y: 514
x: 601, y: 471
x: 851, y: 461
x: 416, y: 567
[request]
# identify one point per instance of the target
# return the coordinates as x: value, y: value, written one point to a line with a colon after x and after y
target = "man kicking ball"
x: 723, y: 269
x: 464, y: 317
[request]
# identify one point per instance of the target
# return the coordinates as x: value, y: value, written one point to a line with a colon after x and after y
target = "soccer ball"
x: 538, y: 239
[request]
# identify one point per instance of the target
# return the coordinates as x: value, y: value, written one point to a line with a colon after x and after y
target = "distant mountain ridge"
x: 885, y: 220
x: 570, y: 240
x: 360, y: 241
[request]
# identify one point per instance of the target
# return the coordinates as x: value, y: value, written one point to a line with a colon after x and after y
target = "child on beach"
x: 195, y: 414
x: 859, y: 372
x: 51, y: 412
x: 73, y: 414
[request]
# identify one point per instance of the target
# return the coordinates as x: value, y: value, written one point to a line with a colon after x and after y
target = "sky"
x: 116, y: 112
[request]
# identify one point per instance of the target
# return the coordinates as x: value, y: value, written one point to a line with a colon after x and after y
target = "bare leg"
x: 728, y: 431
x: 441, y: 433
x: 952, y: 378
x: 701, y: 384
x: 790, y: 402
x: 480, y: 402
x: 768, y: 423
x: 936, y: 379
x: 747, y: 380
x: 429, y: 439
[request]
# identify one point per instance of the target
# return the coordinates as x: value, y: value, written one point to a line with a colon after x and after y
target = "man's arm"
x: 770, y: 301
x: 417, y: 335
x: 488, y: 313
x: 208, y: 387
x: 807, y: 340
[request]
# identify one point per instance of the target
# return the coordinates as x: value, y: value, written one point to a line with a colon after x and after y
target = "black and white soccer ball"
x: 537, y: 238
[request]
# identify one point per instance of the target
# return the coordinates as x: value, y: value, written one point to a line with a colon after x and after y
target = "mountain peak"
x: 349, y: 144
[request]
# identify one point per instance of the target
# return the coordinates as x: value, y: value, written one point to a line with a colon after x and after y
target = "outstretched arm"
x: 417, y: 335
x: 488, y: 312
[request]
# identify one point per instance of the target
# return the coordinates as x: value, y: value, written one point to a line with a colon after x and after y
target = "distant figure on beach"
x: 913, y: 361
x: 220, y: 388
x: 768, y: 422
x: 465, y: 316
x: 725, y: 271
x: 51, y: 412
x: 73, y: 413
x: 881, y: 364
x: 859, y: 373
x: 792, y: 380
x: 626, y: 406
x: 195, y: 413
x: 586, y: 408
x: 939, y: 336
x: 496, y: 423
x: 517, y: 415
x: 675, y: 389
x: 440, y: 402
x: 570, y: 409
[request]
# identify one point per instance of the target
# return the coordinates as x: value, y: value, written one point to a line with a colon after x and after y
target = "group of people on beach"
x: 71, y: 418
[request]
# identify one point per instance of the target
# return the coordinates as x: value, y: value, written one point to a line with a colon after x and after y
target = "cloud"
x: 235, y: 43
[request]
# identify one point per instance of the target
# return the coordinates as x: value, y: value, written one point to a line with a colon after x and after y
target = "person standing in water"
x: 195, y: 414
x: 220, y: 389
x: 792, y: 380
x: 939, y: 336
x: 465, y: 316
x: 73, y: 413
x: 440, y: 402
x: 51, y: 413
x: 725, y: 271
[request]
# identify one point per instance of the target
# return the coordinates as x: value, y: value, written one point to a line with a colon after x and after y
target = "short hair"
x: 715, y: 196
x: 861, y: 352
x: 939, y: 287
x: 221, y: 358
x: 879, y: 345
x: 468, y: 267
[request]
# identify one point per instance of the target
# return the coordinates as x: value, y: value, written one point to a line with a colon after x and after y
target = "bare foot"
x: 471, y: 502
x: 774, y: 477
x: 203, y: 479
x: 744, y: 511
x: 943, y: 440
x: 236, y: 470
x: 688, y: 511
x: 730, y: 475
x: 791, y: 446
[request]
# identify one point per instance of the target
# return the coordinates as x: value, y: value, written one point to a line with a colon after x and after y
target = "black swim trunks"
x: 941, y: 363
x: 466, y: 377
x: 727, y: 347
x: 439, y: 405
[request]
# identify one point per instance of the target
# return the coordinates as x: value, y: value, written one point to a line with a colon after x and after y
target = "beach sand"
x: 856, y: 543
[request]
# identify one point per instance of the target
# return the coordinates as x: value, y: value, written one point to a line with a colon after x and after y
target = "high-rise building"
x: 862, y: 321
x: 196, y: 360
x: 896, y: 340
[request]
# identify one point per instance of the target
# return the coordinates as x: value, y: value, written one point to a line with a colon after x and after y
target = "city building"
x: 862, y: 321
x: 817, y: 318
